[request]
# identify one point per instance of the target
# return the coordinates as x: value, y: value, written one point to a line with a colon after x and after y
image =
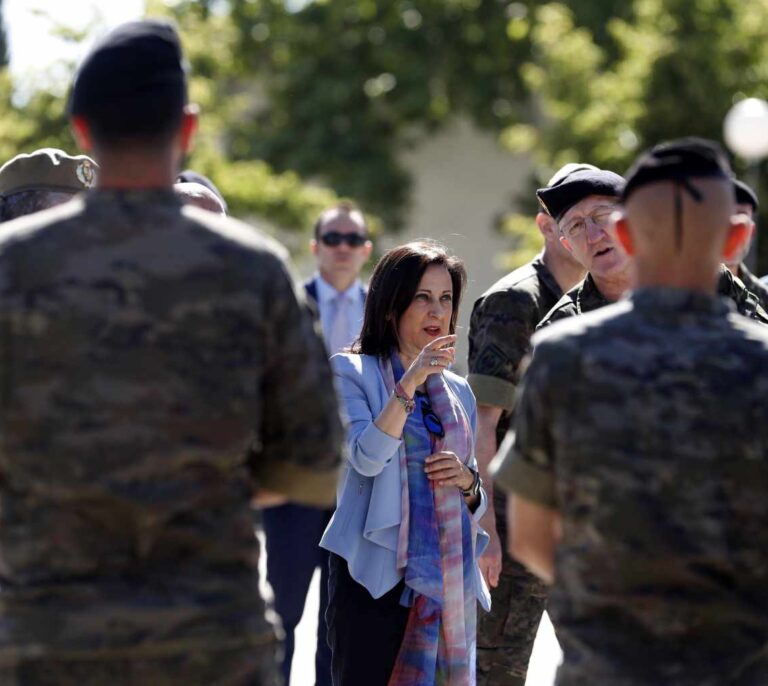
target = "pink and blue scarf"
x: 435, y: 549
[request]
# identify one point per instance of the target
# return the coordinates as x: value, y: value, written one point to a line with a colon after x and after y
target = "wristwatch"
x: 474, y: 489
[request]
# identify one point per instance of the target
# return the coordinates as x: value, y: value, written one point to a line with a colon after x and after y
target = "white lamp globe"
x: 746, y: 128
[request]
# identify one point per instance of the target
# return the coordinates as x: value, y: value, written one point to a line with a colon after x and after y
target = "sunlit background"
x: 440, y: 117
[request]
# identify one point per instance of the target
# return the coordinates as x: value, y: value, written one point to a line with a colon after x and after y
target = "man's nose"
x: 595, y: 231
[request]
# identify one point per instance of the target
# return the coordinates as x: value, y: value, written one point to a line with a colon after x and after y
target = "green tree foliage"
x: 350, y: 84
x: 252, y: 188
x: 336, y: 90
x: 672, y: 68
x: 346, y: 85
x: 225, y: 95
x: 3, y: 41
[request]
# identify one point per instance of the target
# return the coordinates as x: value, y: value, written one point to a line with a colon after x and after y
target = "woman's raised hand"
x: 436, y: 356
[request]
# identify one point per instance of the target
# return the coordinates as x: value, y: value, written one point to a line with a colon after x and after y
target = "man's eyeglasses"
x: 431, y: 421
x: 601, y: 217
x: 334, y: 239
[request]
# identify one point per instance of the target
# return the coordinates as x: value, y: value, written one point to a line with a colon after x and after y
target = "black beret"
x: 569, y: 168
x: 191, y: 176
x: 676, y: 161
x: 134, y: 63
x: 576, y: 185
x: 745, y: 195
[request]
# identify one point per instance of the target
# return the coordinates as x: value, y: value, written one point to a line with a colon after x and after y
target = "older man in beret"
x: 583, y: 204
x: 157, y: 369
x: 503, y: 321
x: 637, y: 478
x: 43, y: 179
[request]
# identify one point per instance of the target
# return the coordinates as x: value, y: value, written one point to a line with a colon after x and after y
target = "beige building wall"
x: 462, y: 181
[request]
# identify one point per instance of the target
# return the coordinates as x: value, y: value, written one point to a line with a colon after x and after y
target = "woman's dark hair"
x: 391, y: 290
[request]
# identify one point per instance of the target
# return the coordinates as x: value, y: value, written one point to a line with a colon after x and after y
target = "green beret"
x: 47, y: 169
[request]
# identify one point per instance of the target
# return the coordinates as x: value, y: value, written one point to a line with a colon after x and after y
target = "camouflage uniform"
x: 156, y: 365
x: 754, y: 285
x: 585, y: 297
x: 645, y: 425
x: 502, y: 323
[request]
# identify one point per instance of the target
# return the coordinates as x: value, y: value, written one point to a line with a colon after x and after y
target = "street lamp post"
x: 745, y: 130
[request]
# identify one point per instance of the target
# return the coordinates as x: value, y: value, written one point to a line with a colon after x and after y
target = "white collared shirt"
x: 326, y: 295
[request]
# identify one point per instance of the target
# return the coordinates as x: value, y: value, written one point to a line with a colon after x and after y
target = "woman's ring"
x: 434, y: 362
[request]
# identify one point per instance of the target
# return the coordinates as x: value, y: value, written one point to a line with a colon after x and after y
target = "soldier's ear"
x: 739, y: 234
x: 622, y: 233
x: 547, y: 225
x: 189, y: 126
x: 82, y: 133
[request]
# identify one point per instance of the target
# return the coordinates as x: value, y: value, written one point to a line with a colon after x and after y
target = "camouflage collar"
x: 660, y: 299
x: 133, y: 196
x: 588, y: 297
x: 546, y: 277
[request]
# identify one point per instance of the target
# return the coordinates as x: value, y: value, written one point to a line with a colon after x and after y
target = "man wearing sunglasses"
x: 341, y: 247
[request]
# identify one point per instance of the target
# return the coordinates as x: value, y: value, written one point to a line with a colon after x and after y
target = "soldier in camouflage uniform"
x: 746, y: 203
x: 157, y: 368
x: 502, y: 323
x: 634, y: 460
x: 42, y: 179
x: 609, y: 277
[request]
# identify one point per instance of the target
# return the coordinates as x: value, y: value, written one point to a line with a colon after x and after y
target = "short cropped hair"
x: 393, y: 285
x: 344, y: 207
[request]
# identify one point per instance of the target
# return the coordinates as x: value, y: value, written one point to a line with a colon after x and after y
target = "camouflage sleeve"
x: 525, y: 462
x: 301, y: 435
x: 500, y: 330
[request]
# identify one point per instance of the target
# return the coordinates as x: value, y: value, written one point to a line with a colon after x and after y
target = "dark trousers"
x: 292, y: 535
x: 364, y: 634
x: 506, y: 634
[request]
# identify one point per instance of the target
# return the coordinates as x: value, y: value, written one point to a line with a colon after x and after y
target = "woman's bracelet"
x: 474, y: 489
x: 408, y: 403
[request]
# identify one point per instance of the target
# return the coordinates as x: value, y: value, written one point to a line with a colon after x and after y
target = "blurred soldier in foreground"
x: 42, y: 179
x: 503, y: 321
x: 746, y: 203
x: 634, y: 458
x: 156, y: 369
x: 582, y: 204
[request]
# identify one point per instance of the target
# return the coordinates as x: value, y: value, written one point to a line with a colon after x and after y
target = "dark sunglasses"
x: 334, y: 238
x: 431, y: 421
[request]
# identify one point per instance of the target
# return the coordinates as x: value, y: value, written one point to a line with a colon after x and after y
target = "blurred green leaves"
x: 300, y: 97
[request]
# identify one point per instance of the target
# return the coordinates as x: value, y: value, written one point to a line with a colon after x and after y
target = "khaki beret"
x: 47, y: 169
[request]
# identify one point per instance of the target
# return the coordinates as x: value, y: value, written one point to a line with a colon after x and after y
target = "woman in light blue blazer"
x: 404, y: 581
